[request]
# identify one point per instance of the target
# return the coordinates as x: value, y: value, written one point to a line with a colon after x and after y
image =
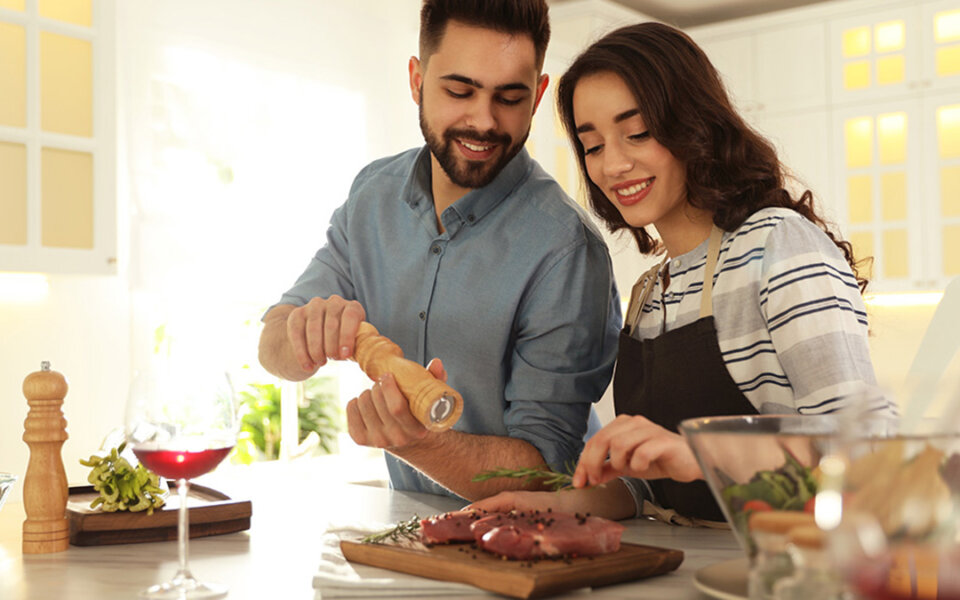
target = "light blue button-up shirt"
x: 516, y: 296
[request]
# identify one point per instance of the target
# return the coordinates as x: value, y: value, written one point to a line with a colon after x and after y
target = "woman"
x: 757, y: 306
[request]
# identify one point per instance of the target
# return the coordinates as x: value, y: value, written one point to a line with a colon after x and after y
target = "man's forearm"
x: 275, y: 352
x: 452, y: 458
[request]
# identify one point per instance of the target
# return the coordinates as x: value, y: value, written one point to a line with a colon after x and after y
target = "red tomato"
x: 756, y: 505
x: 808, y: 506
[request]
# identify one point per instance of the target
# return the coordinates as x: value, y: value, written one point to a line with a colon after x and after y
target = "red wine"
x: 180, y: 464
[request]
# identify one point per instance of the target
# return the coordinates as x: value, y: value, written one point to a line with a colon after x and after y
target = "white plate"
x: 725, y: 580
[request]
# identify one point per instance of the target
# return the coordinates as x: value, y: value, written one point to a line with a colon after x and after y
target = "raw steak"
x: 450, y: 527
x: 526, y: 536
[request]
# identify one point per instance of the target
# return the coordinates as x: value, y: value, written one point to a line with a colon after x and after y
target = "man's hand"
x: 322, y: 329
x: 380, y: 417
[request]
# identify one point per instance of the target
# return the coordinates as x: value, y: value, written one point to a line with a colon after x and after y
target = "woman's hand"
x: 636, y: 447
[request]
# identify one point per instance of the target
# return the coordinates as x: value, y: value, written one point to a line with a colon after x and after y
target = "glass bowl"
x: 760, y: 462
x: 6, y: 486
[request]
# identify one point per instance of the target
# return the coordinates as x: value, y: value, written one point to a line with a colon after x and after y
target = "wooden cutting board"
x: 211, y: 513
x: 519, y: 579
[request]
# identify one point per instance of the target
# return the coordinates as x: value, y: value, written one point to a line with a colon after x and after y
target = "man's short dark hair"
x: 523, y: 17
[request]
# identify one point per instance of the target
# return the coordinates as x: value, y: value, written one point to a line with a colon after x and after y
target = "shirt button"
x: 422, y: 315
x: 435, y: 249
x: 678, y: 263
x: 471, y: 218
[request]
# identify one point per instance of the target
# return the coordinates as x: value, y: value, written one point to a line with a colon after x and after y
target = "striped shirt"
x: 791, y: 323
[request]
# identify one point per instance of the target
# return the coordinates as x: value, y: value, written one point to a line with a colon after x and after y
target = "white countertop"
x: 293, y: 504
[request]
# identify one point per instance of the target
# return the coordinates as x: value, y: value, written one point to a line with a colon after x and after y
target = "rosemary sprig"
x: 409, y: 529
x: 554, y: 479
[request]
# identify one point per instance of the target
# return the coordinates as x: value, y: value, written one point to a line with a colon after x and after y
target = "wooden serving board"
x: 211, y: 513
x: 519, y: 579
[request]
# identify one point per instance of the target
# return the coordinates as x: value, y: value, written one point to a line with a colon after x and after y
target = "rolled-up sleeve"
x: 563, y: 356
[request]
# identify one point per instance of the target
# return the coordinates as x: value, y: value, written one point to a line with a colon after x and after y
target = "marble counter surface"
x: 293, y: 504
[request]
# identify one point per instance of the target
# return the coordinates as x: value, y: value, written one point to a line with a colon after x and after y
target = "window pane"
x: 856, y: 42
x: 78, y: 12
x: 13, y: 4
x: 895, y: 253
x: 66, y: 215
x: 893, y: 196
x: 13, y: 194
x: 862, y: 242
x: 66, y: 85
x: 948, y: 130
x: 890, y: 36
x: 951, y: 250
x: 13, y: 74
x: 891, y: 69
x: 946, y: 26
x: 892, y: 134
x: 950, y: 191
x: 860, y: 198
x: 856, y: 75
x: 859, y: 138
x: 948, y: 61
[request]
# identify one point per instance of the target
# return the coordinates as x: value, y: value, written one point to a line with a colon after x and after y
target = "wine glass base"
x: 184, y: 588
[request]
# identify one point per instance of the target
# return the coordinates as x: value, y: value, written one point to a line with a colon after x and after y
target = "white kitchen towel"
x: 336, y: 577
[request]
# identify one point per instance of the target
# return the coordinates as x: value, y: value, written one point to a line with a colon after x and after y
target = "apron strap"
x: 645, y: 284
x: 713, y: 254
x: 641, y: 293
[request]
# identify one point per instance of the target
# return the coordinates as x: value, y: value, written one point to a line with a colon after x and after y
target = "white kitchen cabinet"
x: 771, y: 69
x: 897, y: 52
x: 57, y: 138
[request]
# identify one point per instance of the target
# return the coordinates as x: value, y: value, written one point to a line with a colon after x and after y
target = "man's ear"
x: 541, y: 88
x: 416, y: 78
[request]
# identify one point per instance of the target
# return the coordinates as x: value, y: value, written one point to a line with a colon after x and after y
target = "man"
x: 468, y: 251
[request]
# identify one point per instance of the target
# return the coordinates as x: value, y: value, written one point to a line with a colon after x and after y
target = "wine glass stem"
x: 183, y: 528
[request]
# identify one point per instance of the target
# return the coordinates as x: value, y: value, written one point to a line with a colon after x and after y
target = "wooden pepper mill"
x: 46, y: 528
x: 432, y: 402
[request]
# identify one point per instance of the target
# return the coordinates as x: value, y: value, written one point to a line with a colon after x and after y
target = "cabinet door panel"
x: 791, y: 67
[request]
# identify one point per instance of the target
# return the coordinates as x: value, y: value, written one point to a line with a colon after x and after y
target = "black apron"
x: 678, y: 375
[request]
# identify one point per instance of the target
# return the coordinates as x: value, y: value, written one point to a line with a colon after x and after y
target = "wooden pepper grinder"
x: 432, y: 402
x: 46, y: 528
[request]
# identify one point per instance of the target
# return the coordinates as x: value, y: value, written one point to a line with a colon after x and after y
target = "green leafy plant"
x: 318, y: 411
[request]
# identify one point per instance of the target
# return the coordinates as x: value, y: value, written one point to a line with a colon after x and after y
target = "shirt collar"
x: 475, y: 204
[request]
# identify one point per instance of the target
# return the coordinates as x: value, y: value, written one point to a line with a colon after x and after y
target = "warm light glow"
x: 904, y: 299
x: 948, y: 61
x: 892, y: 133
x: 828, y: 507
x: 23, y: 287
x: 890, y: 36
x: 946, y: 26
x: 948, y: 130
x: 891, y: 69
x: 180, y: 458
x: 859, y: 137
x: 856, y: 75
x: 856, y: 42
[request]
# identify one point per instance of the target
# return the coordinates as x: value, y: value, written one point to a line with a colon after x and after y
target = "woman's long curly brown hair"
x: 732, y: 170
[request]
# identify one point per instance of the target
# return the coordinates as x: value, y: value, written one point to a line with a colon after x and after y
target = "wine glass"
x: 181, y: 421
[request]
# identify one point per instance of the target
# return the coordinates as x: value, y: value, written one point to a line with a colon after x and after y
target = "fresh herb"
x: 409, y: 529
x: 552, y: 479
x: 122, y: 486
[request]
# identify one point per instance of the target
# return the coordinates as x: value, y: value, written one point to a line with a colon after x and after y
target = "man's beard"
x: 466, y: 173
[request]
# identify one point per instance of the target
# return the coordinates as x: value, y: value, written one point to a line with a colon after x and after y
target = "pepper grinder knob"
x: 46, y: 528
